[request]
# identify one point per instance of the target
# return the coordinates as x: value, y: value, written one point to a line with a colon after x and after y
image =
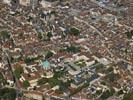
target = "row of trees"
x: 2, y: 80
x: 18, y: 71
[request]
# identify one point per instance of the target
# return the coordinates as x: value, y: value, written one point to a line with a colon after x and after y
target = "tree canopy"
x: 26, y: 84
x: 42, y: 81
x: 129, y: 34
x: 106, y: 94
x: 49, y: 54
x: 49, y: 35
x: 74, y: 31
x: 7, y: 94
x: 18, y: 71
x: 128, y: 96
x: 73, y: 49
x: 4, y: 35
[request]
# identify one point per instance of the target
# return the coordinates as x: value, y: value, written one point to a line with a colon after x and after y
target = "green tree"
x: 42, y: 81
x: 106, y: 94
x: 73, y: 49
x: 112, y: 77
x: 49, y: 35
x: 49, y: 54
x: 40, y: 36
x: 103, y: 83
x: 81, y: 63
x: 99, y: 66
x: 110, y: 69
x: 7, y: 94
x: 28, y: 59
x: 18, y: 71
x: 128, y: 96
x: 4, y: 35
x: 1, y: 77
x: 120, y: 92
x: 79, y: 88
x: 30, y: 19
x: 74, y: 31
x: 26, y: 84
x: 54, y: 81
x: 129, y: 34
x: 98, y: 92
x: 2, y: 80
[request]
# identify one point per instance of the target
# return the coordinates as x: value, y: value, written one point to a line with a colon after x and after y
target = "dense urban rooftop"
x: 66, y: 50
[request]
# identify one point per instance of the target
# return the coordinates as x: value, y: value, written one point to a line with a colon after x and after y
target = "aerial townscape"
x: 66, y: 49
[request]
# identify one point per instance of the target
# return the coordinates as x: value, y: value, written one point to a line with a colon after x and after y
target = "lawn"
x: 80, y: 63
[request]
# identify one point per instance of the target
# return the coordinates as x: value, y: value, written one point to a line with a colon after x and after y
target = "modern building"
x: 25, y: 2
x: 7, y: 1
x: 45, y: 4
x: 32, y: 3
